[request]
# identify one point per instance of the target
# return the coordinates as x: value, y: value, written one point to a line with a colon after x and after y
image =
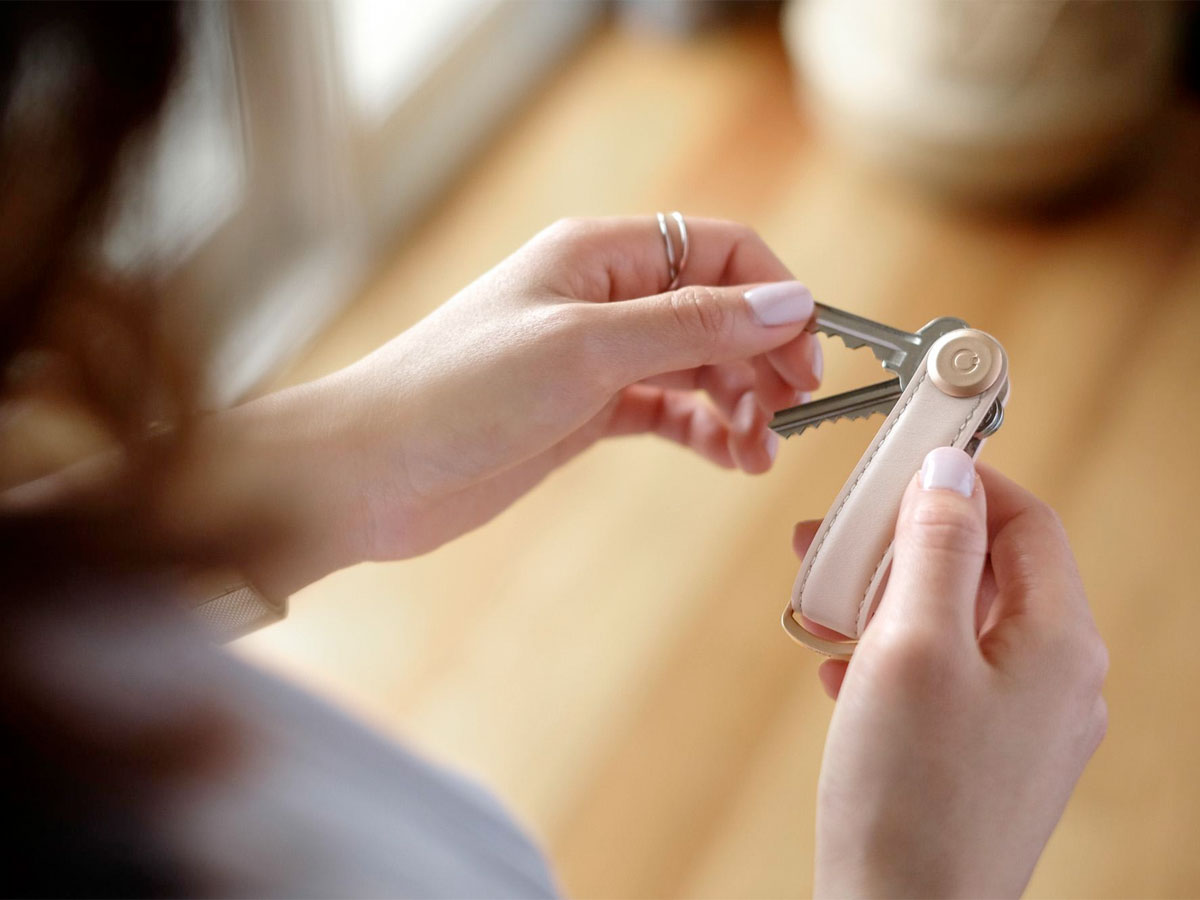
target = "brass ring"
x: 824, y: 646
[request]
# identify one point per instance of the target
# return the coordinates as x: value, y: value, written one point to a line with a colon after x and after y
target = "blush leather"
x: 843, y: 573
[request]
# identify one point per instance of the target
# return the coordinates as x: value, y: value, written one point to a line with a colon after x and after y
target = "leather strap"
x: 843, y: 573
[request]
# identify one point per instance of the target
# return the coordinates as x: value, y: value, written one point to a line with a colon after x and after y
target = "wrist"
x: 277, y: 480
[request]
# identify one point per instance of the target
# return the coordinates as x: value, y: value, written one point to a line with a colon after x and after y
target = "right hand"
x: 972, y: 702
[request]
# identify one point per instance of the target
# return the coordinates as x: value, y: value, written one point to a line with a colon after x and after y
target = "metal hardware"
x: 900, y: 352
x: 964, y: 363
x: 859, y: 403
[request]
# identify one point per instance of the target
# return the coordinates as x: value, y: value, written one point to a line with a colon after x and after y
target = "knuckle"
x: 567, y: 232
x: 698, y: 309
x: 744, y: 234
x: 946, y: 524
x: 1047, y: 516
x: 1076, y: 653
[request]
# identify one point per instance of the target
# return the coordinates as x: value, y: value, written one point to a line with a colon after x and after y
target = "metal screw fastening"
x: 965, y: 362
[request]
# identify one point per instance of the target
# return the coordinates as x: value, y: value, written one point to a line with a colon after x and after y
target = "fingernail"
x: 744, y: 411
x: 772, y: 444
x: 781, y: 303
x: 818, y: 362
x: 948, y: 469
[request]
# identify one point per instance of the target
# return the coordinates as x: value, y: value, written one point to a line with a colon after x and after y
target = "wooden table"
x: 607, y: 654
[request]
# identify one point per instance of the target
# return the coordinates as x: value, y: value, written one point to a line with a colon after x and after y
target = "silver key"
x: 899, y: 351
x: 857, y: 404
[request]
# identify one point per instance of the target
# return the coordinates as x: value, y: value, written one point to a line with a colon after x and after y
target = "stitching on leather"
x: 816, y: 551
x: 879, y: 565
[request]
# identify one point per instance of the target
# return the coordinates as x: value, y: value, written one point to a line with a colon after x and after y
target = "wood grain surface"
x: 607, y: 654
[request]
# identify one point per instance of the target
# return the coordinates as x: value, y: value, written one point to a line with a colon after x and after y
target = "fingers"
x: 799, y: 362
x: 725, y: 384
x: 802, y: 536
x: 703, y: 322
x: 752, y: 444
x: 773, y: 392
x: 1030, y: 553
x: 684, y: 418
x: 619, y: 258
x: 1039, y: 610
x: 832, y: 673
x: 695, y: 326
x: 940, y: 549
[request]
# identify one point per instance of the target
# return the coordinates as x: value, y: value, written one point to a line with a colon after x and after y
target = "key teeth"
x: 884, y: 355
x: 853, y: 414
x: 852, y: 343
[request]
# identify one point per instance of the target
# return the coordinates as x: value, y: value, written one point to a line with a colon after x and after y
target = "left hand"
x: 569, y: 340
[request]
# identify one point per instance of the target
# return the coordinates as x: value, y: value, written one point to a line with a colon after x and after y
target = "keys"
x: 857, y: 404
x: 898, y: 351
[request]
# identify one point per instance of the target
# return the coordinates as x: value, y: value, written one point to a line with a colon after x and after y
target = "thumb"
x: 698, y: 325
x: 940, y: 548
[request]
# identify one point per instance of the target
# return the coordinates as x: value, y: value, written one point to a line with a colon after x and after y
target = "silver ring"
x: 674, y: 272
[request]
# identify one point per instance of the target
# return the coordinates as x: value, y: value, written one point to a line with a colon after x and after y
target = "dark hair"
x: 79, y: 84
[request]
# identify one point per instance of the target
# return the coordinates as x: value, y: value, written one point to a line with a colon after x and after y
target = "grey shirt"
x: 292, y: 798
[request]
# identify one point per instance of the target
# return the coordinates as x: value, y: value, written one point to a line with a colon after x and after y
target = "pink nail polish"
x: 772, y: 444
x: 781, y: 303
x: 948, y: 469
x: 744, y: 411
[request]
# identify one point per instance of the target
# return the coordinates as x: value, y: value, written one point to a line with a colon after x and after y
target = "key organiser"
x: 954, y: 388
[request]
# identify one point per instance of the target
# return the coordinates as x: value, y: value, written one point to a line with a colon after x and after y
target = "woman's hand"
x: 972, y: 702
x: 569, y: 340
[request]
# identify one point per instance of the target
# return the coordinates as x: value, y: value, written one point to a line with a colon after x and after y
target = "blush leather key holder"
x: 951, y: 391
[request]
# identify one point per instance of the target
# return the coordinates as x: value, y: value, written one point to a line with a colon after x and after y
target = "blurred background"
x: 607, y: 654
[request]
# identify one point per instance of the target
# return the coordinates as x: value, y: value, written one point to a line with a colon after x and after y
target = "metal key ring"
x: 824, y: 646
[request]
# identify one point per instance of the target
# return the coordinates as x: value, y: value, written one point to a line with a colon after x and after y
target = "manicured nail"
x: 741, y: 421
x: 781, y: 303
x: 772, y: 444
x: 948, y: 469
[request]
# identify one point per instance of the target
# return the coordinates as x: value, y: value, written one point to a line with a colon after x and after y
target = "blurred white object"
x: 388, y: 48
x: 987, y: 99
x: 300, y: 141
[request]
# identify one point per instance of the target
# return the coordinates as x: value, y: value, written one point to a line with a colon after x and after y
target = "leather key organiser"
x: 946, y: 402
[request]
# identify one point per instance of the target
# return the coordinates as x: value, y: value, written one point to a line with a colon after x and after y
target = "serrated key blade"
x: 899, y: 351
x: 891, y: 346
x: 856, y: 404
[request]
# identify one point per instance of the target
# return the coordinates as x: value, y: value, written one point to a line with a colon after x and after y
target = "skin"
x: 973, y: 700
x: 969, y: 708
x: 568, y: 341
